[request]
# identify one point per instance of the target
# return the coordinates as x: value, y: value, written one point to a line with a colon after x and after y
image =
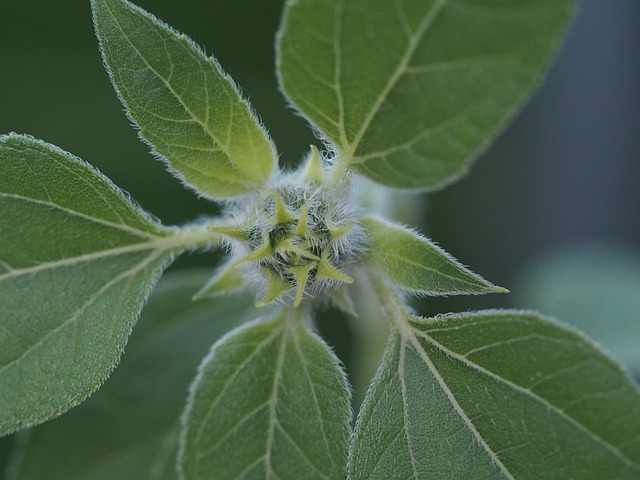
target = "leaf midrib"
x: 395, y: 77
x: 395, y: 253
x: 273, y: 400
x: 117, y: 226
x: 154, y: 255
x: 316, y: 400
x: 65, y: 262
x: 417, y: 347
x: 405, y: 412
x: 222, y: 146
x: 451, y: 354
x: 177, y: 241
x: 221, y: 392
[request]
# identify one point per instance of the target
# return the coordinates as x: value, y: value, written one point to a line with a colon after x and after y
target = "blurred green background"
x: 562, y: 178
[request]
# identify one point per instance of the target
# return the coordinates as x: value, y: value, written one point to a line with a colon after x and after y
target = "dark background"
x: 563, y: 175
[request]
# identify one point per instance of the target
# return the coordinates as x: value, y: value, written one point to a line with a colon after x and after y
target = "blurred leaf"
x: 188, y: 109
x: 270, y: 401
x: 413, y: 263
x: 227, y: 279
x: 497, y: 394
x: 77, y: 262
x: 129, y: 430
x: 410, y: 90
x: 595, y: 287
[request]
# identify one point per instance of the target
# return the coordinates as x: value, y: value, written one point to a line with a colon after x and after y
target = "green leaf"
x: 413, y: 263
x: 497, y: 394
x: 77, y: 261
x: 227, y: 279
x: 270, y: 401
x: 187, y: 108
x: 409, y: 91
x: 134, y: 418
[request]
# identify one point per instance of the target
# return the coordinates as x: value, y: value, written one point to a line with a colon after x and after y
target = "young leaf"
x: 413, y: 263
x: 188, y: 109
x: 226, y: 280
x: 77, y: 261
x: 134, y: 418
x: 498, y: 394
x: 270, y: 401
x: 409, y: 91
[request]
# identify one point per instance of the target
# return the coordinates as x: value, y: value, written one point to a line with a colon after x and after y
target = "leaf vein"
x: 118, y: 226
x: 613, y: 449
x: 412, y: 45
x: 227, y: 383
x: 405, y: 411
x: 173, y: 92
x: 72, y: 320
x: 458, y: 408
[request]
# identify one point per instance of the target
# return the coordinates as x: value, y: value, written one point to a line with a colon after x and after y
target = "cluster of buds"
x: 296, y: 238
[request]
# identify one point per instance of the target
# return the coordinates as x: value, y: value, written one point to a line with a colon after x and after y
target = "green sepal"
x: 301, y: 276
x: 338, y: 231
x: 302, y: 228
x: 281, y: 214
x: 327, y: 271
x: 288, y: 246
x: 276, y: 286
x: 264, y: 251
x: 313, y: 170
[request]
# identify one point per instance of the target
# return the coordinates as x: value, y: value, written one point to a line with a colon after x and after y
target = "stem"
x: 339, y: 171
x: 191, y: 237
x: 372, y: 326
x: 392, y: 303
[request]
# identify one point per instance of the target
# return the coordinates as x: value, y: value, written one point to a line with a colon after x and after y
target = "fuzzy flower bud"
x: 297, y: 237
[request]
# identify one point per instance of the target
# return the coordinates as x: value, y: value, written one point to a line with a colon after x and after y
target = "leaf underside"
x: 134, y: 418
x: 409, y: 91
x: 77, y: 261
x: 270, y: 401
x: 187, y: 108
x: 496, y: 395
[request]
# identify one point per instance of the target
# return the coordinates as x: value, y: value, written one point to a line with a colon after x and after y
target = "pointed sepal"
x: 301, y: 276
x: 263, y: 252
x: 329, y: 272
x: 313, y: 170
x: 276, y: 287
x: 281, y: 214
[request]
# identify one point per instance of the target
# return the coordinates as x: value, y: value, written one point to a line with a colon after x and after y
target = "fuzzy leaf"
x: 498, y: 394
x: 270, y: 401
x: 77, y: 261
x: 187, y: 108
x: 227, y: 279
x: 413, y: 263
x: 134, y: 418
x: 409, y: 91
